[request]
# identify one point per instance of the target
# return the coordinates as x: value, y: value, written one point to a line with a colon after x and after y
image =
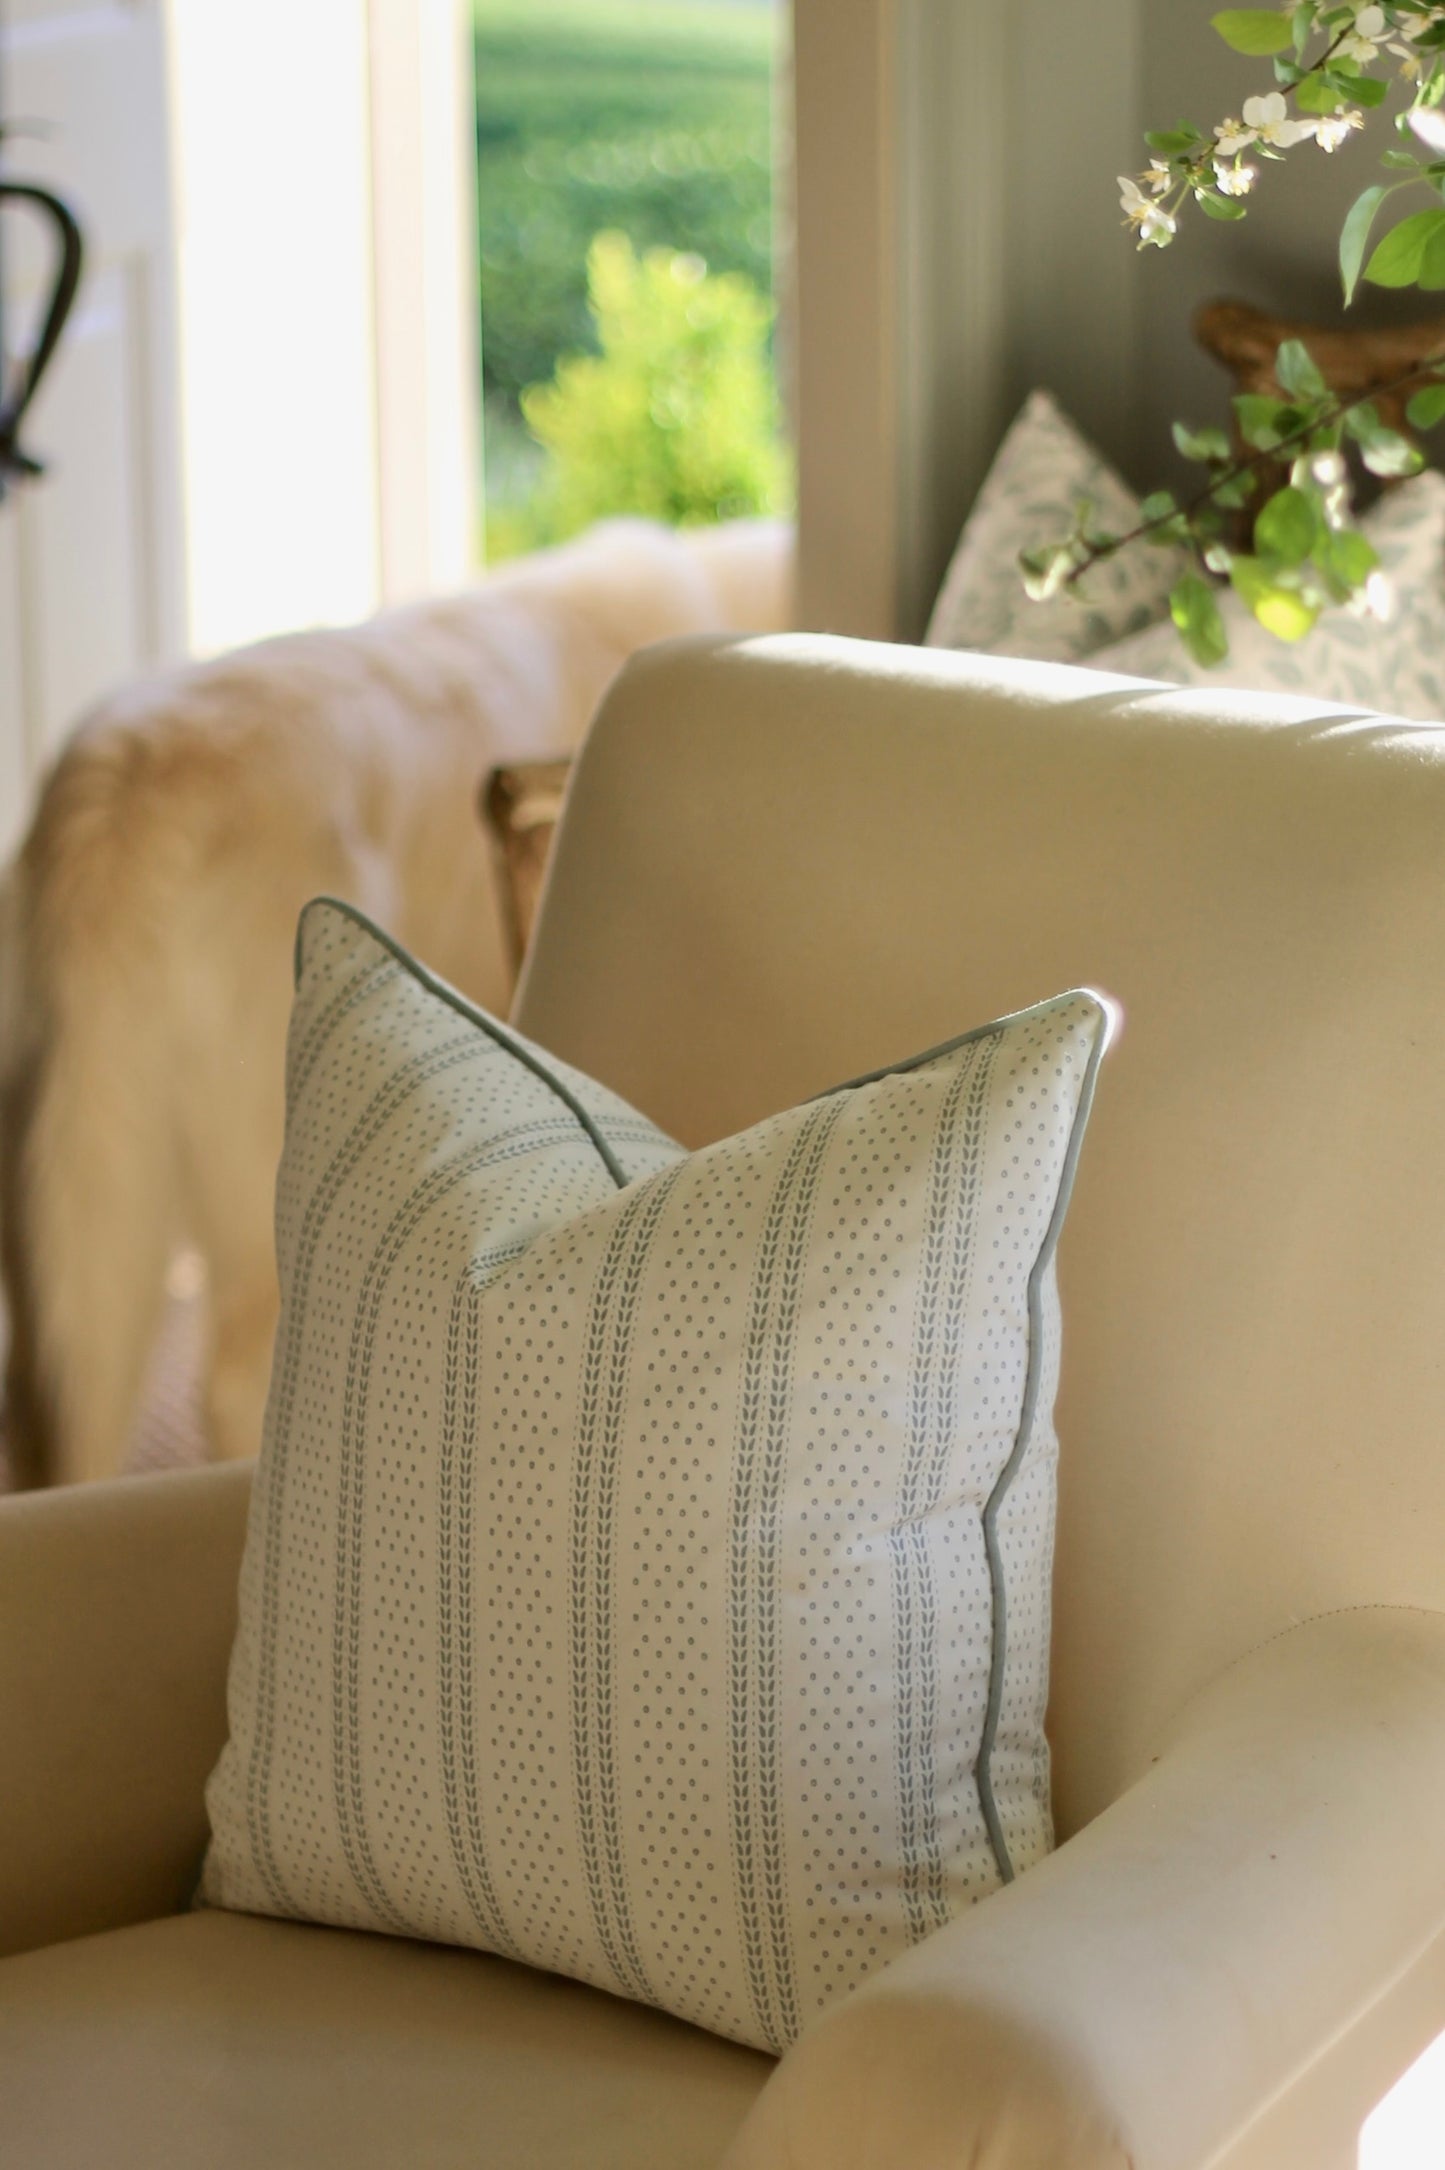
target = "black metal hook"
x: 16, y: 464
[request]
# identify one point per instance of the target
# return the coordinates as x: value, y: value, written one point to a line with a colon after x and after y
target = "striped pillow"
x: 649, y: 1558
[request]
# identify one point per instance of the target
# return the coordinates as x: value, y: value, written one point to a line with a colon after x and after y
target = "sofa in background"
x: 783, y: 862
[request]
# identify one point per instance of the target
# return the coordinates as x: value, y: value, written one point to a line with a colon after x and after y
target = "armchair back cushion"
x: 1261, y: 884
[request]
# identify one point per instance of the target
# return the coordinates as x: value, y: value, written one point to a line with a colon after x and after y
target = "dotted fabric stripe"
x: 373, y: 1123
x: 943, y: 1301
x: 599, y: 1449
x: 628, y: 1568
x: 756, y: 1719
x: 461, y: 1772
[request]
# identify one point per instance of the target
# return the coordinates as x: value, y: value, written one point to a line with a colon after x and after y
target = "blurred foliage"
x: 675, y: 416
x: 649, y: 118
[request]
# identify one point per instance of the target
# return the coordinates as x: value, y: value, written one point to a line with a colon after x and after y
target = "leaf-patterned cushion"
x: 648, y: 1566
x: 1396, y: 667
x: 1041, y: 473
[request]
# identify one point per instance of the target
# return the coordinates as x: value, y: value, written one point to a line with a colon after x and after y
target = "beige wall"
x: 959, y: 241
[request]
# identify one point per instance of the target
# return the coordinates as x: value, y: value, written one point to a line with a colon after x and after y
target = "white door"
x: 92, y: 584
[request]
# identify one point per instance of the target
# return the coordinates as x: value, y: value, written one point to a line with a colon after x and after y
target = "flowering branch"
x: 1331, y: 66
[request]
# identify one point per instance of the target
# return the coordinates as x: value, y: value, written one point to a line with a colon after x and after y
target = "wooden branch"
x: 1353, y: 363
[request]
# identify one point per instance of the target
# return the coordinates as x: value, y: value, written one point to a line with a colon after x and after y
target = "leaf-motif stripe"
x: 615, y: 1300
x: 520, y: 1050
x: 389, y: 1099
x: 754, y: 1610
x: 303, y: 1056
x: 637, y: 1132
x: 348, y: 1774
x: 950, y: 1238
x: 456, y: 1666
x: 484, y: 1266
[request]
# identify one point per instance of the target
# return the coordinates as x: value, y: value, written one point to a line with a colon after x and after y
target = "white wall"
x: 272, y: 148
x: 428, y: 363
x: 327, y: 301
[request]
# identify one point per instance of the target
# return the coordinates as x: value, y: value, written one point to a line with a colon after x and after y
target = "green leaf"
x: 1345, y: 553
x: 1385, y: 451
x: 1397, y: 260
x: 1172, y: 142
x: 1280, y: 610
x: 1368, y: 90
x: 1297, y: 372
x: 1391, y: 455
x: 1158, y: 505
x: 1285, y: 526
x: 1427, y: 407
x: 1355, y: 234
x: 1317, y: 94
x: 1201, y: 444
x: 1248, y: 578
x: 1287, y: 615
x: 1218, y: 207
x: 1362, y: 421
x: 1196, y: 613
x: 1432, y: 264
x: 1264, y: 422
x: 1237, y: 491
x: 1254, y: 30
x: 1402, y: 161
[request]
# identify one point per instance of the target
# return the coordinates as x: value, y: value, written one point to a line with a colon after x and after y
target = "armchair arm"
x: 1140, y: 1997
x: 117, y: 1609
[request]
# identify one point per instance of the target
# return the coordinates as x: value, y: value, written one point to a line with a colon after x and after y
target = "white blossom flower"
x: 1409, y: 26
x: 1154, y: 224
x: 1333, y: 129
x: 1365, y: 39
x: 1159, y: 177
x: 1375, y: 600
x: 1233, y: 180
x: 1270, y: 119
x: 1428, y: 124
x: 1232, y: 137
x: 1329, y: 474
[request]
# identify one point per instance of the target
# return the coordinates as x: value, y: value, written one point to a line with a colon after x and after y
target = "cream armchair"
x: 782, y: 863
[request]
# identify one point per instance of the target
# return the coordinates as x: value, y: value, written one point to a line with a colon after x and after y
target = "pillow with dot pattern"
x: 1041, y: 473
x: 648, y: 1567
x: 1393, y: 666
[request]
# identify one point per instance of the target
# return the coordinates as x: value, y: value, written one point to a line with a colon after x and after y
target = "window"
x: 625, y: 155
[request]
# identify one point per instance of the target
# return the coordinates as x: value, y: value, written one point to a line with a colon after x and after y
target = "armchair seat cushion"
x: 230, y: 2041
